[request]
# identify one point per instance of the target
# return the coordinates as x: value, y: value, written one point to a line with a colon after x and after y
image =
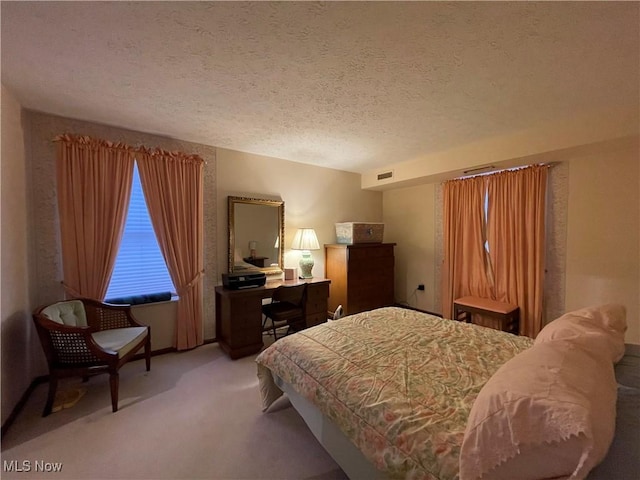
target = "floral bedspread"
x: 399, y: 383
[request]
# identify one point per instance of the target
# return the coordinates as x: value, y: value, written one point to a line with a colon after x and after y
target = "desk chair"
x: 287, y: 308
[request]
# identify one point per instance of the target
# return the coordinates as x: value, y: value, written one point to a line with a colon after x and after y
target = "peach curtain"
x: 465, y: 270
x: 516, y: 233
x: 93, y: 187
x: 173, y: 188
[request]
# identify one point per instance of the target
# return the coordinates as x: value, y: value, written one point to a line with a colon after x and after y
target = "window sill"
x: 173, y: 299
x: 149, y: 299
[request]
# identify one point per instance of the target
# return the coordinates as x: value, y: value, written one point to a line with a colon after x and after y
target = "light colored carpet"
x: 195, y: 415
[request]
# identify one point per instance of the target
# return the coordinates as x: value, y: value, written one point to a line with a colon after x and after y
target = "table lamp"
x: 305, y: 240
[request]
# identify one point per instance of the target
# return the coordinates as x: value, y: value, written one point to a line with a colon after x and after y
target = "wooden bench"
x: 507, y: 313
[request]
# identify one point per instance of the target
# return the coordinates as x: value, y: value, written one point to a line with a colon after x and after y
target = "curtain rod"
x: 89, y: 140
x: 479, y: 170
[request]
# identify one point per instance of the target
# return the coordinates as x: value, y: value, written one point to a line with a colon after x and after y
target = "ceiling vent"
x: 385, y: 175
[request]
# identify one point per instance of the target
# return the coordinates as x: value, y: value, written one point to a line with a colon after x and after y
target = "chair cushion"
x: 280, y: 311
x: 120, y: 340
x: 70, y: 313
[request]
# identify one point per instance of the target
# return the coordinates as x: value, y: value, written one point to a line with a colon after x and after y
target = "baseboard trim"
x: 154, y: 353
x: 409, y: 307
x: 22, y: 402
x: 162, y: 351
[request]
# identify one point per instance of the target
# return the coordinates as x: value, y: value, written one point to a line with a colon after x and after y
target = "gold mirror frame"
x: 232, y: 203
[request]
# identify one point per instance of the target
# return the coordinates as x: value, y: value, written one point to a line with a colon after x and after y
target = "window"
x: 140, y: 268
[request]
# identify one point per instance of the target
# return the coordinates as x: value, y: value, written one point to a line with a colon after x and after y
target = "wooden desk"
x: 239, y: 313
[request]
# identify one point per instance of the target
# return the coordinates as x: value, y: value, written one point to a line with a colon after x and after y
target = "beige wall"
x: 313, y: 197
x: 513, y: 149
x: 19, y: 340
x: 603, y: 234
x: 598, y: 219
x: 409, y: 218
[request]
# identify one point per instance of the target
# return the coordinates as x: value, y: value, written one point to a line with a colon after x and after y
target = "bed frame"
x: 346, y: 454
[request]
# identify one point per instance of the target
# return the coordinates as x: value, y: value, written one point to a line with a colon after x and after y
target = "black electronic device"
x: 236, y: 281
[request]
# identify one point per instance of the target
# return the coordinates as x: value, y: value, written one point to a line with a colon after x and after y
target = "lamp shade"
x: 305, y: 239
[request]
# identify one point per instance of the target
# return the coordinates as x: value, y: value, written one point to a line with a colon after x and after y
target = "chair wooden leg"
x: 147, y: 353
x: 51, y: 396
x: 114, y: 379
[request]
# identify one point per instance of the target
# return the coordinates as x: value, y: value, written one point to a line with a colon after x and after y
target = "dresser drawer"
x: 361, y: 269
x: 370, y: 252
x: 367, y: 296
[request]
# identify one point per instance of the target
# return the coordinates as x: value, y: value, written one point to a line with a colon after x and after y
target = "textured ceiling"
x: 353, y: 86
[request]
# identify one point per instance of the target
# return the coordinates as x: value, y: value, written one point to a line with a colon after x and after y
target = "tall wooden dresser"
x: 361, y: 276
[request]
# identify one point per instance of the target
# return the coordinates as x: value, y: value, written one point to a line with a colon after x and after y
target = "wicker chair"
x: 85, y: 337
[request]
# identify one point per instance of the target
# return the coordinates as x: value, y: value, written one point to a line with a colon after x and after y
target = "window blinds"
x: 140, y: 268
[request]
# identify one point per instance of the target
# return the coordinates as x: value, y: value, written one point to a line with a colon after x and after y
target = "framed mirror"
x: 256, y: 233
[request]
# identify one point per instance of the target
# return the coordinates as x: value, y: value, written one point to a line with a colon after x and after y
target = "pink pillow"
x: 549, y: 412
x: 600, y: 329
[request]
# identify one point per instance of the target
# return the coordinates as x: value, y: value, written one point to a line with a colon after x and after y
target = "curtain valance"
x: 153, y: 152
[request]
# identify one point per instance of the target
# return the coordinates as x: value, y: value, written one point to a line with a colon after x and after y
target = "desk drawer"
x: 317, y: 291
x: 317, y: 299
x: 244, y: 336
x: 316, y: 318
x: 317, y: 306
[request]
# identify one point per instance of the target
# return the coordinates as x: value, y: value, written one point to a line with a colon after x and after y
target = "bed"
x: 369, y: 374
x: 388, y: 392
